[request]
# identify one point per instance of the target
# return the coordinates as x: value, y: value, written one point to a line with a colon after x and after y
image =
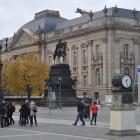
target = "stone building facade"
x: 97, y: 48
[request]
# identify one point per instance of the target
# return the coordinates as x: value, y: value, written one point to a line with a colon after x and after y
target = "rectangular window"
x: 97, y: 50
x: 84, y: 26
x: 126, y: 51
x: 98, y: 77
x: 67, y: 58
x: 74, y: 58
x: 67, y: 30
x: 51, y: 34
x: 75, y: 28
x: 84, y: 80
x: 84, y: 56
x: 74, y: 69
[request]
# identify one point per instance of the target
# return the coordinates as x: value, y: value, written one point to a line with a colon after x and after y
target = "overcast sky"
x: 15, y: 13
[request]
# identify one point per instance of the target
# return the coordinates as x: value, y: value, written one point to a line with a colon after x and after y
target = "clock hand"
x: 126, y: 82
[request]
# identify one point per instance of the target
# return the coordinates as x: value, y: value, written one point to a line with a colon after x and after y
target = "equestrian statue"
x: 60, y: 51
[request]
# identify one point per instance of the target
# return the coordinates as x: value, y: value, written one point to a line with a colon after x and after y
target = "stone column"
x: 104, y: 70
x: 109, y: 58
x: 89, y: 63
x: 79, y: 66
x: 138, y: 72
x: 104, y: 53
x: 70, y: 55
x: 41, y: 48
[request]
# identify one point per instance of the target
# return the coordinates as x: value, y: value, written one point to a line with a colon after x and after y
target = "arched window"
x: 98, y: 77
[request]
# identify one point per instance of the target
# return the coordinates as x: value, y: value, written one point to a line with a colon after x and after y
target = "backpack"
x: 35, y: 109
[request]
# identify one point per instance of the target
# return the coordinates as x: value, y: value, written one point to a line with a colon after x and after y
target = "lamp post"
x: 60, y: 95
x: 29, y: 91
x: 1, y: 94
x: 6, y: 44
x: 46, y: 88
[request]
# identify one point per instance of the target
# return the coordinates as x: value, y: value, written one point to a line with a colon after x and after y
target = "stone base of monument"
x: 123, y: 121
x: 62, y: 84
x: 67, y: 98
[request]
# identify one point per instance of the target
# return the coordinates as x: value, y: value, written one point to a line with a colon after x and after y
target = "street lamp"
x: 46, y: 88
x: 29, y: 91
x: 60, y: 95
x: 1, y: 94
x: 6, y: 44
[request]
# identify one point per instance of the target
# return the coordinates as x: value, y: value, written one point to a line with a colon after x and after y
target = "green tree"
x: 24, y: 71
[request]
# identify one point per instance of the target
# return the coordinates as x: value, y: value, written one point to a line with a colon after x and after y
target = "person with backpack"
x: 94, y: 109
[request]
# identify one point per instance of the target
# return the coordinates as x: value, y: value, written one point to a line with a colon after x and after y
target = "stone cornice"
x: 24, y: 46
x: 91, y: 30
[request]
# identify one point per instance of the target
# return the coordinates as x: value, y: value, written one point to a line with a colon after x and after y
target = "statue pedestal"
x: 122, y: 120
x: 62, y: 85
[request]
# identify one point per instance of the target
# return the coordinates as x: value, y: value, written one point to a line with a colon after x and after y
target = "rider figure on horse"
x: 58, y: 46
x: 60, y: 50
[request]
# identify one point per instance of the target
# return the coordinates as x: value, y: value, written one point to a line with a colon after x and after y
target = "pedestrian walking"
x: 33, y: 111
x: 80, y: 112
x: 94, y: 109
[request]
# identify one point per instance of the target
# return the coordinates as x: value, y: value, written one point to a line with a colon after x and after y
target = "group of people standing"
x: 83, y: 111
x: 27, y: 112
x: 6, y: 113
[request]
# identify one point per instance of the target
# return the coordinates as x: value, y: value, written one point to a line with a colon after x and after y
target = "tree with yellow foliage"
x: 26, y: 71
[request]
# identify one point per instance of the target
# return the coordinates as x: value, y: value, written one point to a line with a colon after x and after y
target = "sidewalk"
x: 66, y: 122
x: 70, y: 122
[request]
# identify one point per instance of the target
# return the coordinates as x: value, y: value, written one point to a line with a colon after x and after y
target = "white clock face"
x: 126, y: 81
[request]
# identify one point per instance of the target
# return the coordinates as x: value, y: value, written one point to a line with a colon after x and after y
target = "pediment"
x: 24, y: 37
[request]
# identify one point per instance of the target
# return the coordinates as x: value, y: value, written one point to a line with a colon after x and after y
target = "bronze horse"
x: 60, y: 51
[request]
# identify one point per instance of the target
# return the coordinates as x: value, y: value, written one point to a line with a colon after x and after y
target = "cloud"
x: 15, y: 13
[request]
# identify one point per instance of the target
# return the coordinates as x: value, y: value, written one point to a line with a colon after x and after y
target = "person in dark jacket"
x: 3, y: 113
x: 20, y: 116
x: 28, y: 111
x: 11, y: 110
x: 87, y: 111
x: 6, y: 115
x: 80, y: 112
x: 24, y: 113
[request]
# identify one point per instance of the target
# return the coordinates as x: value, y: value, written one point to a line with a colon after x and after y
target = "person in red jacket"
x: 94, y: 109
